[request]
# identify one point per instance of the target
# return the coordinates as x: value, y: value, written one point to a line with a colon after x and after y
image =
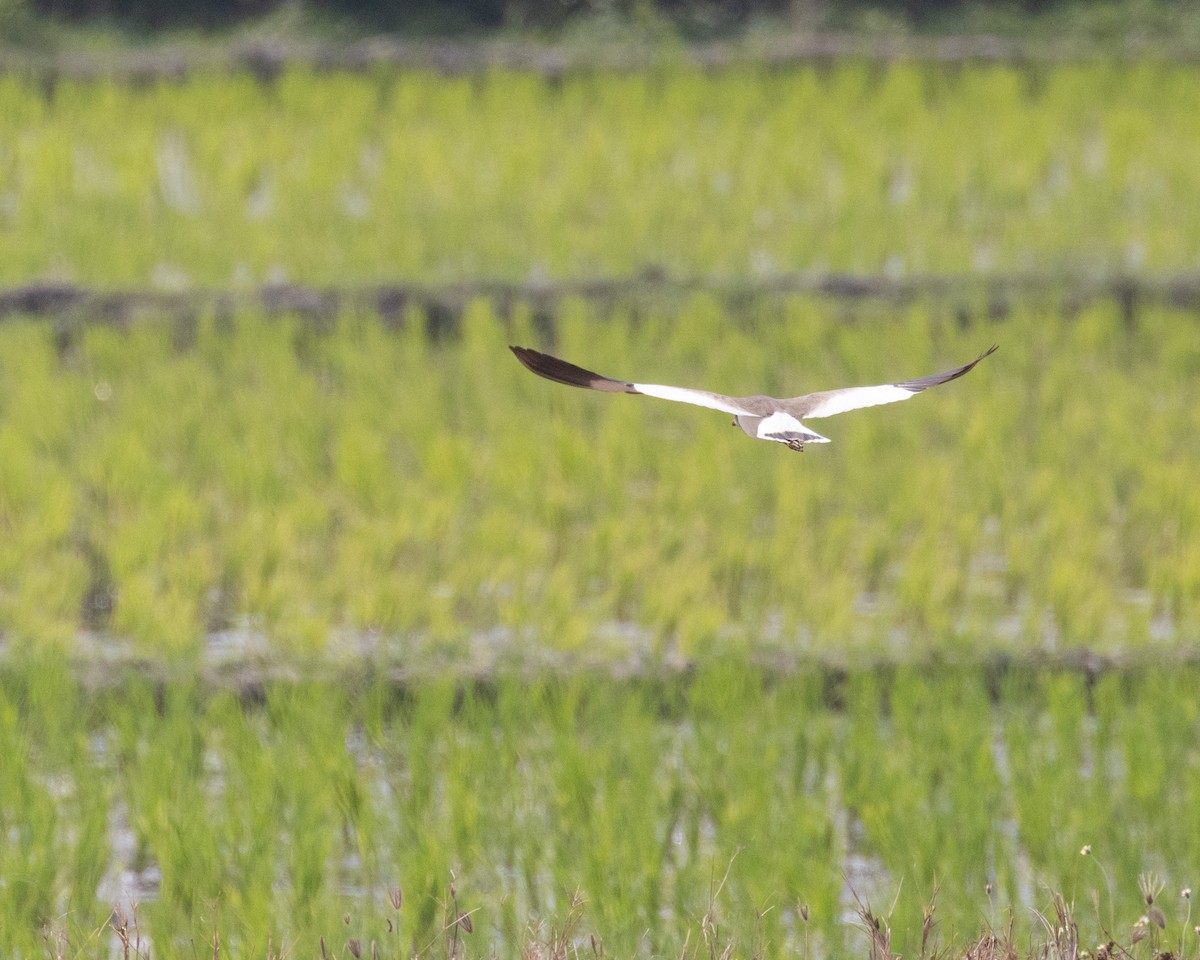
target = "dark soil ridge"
x: 990, y: 297
x: 103, y: 664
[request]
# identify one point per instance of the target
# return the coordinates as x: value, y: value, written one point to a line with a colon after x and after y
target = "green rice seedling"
x: 431, y: 493
x: 54, y: 811
x: 326, y: 177
x: 269, y: 818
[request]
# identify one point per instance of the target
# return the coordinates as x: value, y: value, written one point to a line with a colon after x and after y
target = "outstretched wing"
x: 560, y: 371
x: 829, y: 402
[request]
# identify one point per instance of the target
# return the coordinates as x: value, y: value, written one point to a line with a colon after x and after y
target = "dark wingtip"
x: 986, y: 353
x: 552, y: 368
x: 539, y: 363
x: 933, y: 380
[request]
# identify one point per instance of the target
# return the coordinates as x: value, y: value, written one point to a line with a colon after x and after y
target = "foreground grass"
x: 1058, y: 936
x: 688, y: 813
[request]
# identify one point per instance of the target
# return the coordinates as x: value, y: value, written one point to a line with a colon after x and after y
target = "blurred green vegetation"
x: 310, y: 482
x: 271, y: 821
x: 394, y: 494
x: 332, y: 178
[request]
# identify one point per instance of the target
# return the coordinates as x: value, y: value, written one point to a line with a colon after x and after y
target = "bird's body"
x: 764, y: 418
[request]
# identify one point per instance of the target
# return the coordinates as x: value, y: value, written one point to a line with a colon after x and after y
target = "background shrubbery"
x: 691, y: 18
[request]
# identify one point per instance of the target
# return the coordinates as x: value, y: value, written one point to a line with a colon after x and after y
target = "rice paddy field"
x: 320, y: 635
x: 850, y: 165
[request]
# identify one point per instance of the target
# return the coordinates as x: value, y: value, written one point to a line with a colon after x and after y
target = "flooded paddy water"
x: 280, y: 809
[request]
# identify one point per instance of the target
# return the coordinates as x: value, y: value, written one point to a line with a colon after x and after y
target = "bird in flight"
x: 764, y: 418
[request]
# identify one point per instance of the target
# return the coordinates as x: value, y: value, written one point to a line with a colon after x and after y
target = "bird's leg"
x: 796, y: 444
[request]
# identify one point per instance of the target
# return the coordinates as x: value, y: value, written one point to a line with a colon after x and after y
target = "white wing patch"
x: 783, y: 427
x: 698, y: 398
x: 855, y: 398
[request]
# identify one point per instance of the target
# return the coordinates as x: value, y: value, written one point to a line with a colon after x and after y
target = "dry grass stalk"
x: 559, y: 944
x: 125, y: 926
x: 929, y: 925
x: 878, y: 930
x: 1062, y: 932
x: 1060, y: 939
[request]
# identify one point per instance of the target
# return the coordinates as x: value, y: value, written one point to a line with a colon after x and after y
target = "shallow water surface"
x: 279, y: 814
